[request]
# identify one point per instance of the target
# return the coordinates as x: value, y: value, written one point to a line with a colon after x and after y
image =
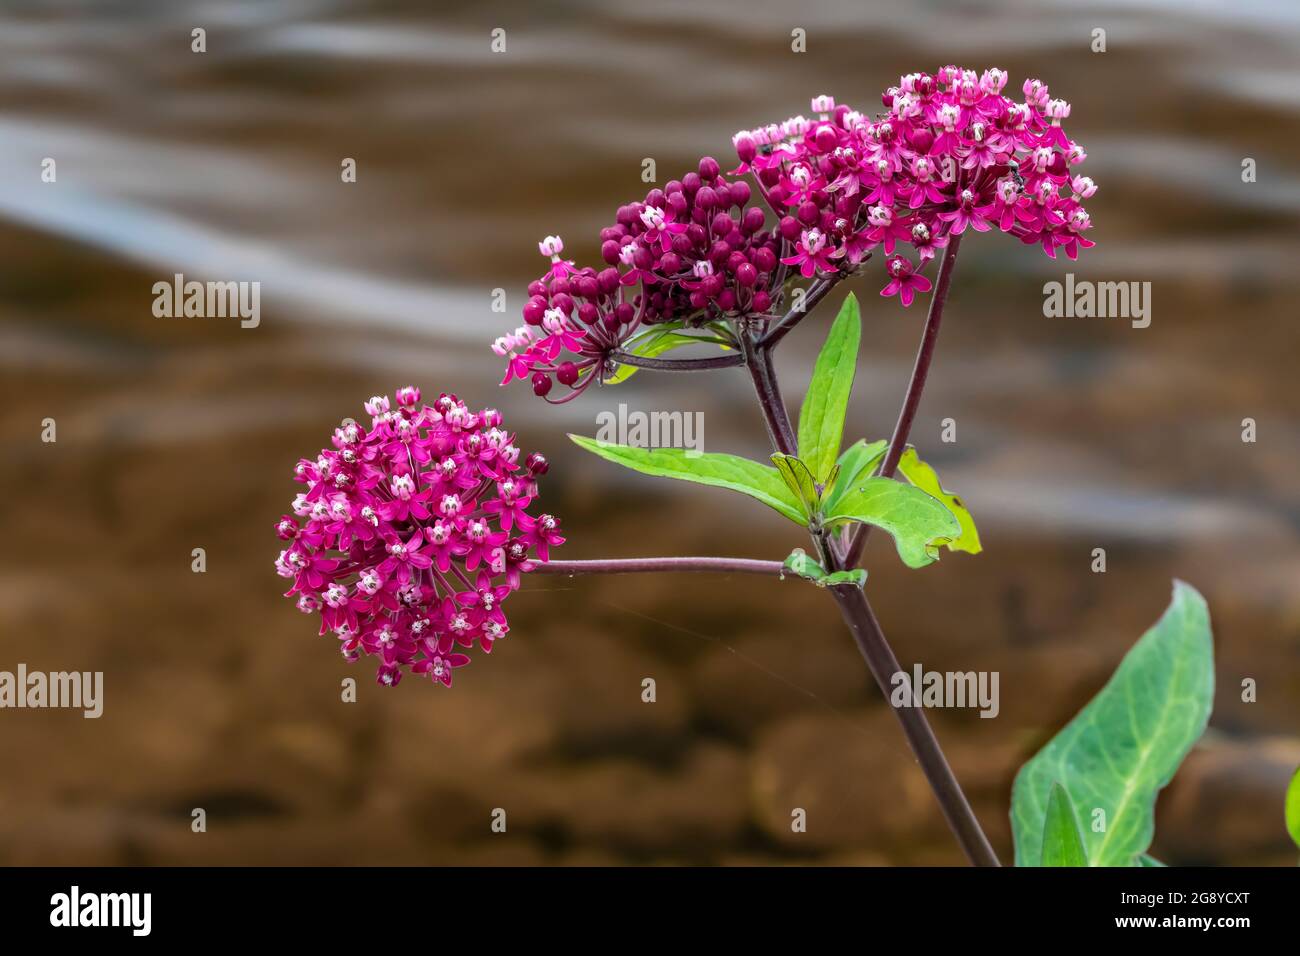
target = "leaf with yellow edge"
x: 923, y: 476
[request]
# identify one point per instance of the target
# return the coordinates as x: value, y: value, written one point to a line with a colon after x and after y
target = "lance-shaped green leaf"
x: 1293, y: 808
x: 722, y: 471
x: 1125, y: 745
x: 821, y: 419
x: 1062, y: 841
x: 854, y: 467
x: 799, y: 480
x: 656, y: 342
x: 1148, y: 860
x: 923, y: 476
x: 919, y: 523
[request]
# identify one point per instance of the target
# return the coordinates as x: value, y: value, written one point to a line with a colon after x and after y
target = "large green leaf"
x: 1293, y: 808
x: 821, y: 419
x: 918, y: 522
x: 722, y: 471
x: 1062, y: 841
x: 1125, y: 745
x: 923, y: 476
x: 855, y: 465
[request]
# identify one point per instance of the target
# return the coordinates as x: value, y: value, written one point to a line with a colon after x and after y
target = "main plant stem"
x: 875, y: 649
x: 865, y: 628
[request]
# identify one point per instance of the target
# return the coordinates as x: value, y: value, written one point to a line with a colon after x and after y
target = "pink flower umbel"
x: 405, y: 547
x: 949, y: 153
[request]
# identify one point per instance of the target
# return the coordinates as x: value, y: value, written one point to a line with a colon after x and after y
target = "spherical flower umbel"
x: 412, y: 533
x: 950, y: 152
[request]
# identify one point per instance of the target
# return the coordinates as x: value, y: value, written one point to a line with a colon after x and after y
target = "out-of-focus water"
x: 173, y: 434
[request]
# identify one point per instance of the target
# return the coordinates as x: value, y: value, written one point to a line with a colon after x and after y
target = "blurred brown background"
x: 175, y: 434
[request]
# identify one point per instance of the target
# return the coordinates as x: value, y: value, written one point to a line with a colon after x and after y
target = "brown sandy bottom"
x: 176, y: 434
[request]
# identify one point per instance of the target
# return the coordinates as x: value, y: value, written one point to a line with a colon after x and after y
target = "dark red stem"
x: 641, y: 565
x: 730, y: 360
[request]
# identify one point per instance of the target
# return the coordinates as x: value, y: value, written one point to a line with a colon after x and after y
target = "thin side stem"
x: 644, y: 565
x: 816, y: 292
x: 915, y: 387
x: 759, y: 362
x: 679, y: 365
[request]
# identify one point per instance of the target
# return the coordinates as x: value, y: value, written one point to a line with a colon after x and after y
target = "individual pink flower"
x: 903, y: 281
x: 965, y: 214
x: 811, y: 254
x: 542, y: 533
x: 439, y: 668
x: 553, y: 246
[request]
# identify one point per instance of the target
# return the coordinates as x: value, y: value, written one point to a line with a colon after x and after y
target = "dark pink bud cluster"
x: 413, y: 531
x: 691, y: 252
x: 695, y: 246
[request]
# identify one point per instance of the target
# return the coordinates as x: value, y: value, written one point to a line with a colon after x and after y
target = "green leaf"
x: 799, y: 480
x: 923, y: 476
x: 1062, y: 841
x: 857, y: 577
x: 1293, y: 808
x: 722, y: 471
x: 1148, y: 860
x: 854, y: 467
x: 821, y: 420
x: 656, y: 342
x: 1125, y: 745
x: 798, y: 562
x: 918, y: 522
x: 804, y: 566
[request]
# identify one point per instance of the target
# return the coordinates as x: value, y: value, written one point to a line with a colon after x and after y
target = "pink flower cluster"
x: 950, y: 152
x: 412, y: 532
